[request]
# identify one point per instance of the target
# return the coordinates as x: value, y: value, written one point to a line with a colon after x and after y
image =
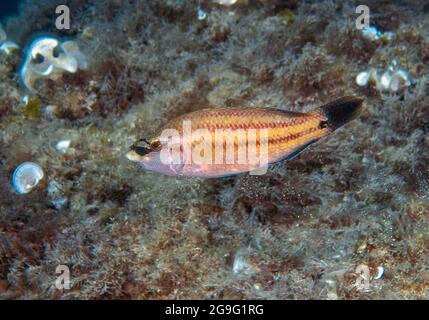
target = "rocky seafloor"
x: 357, y: 198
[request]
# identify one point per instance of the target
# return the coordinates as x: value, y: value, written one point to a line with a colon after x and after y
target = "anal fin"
x: 298, y: 150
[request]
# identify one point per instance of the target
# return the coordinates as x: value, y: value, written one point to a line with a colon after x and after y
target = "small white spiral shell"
x: 26, y: 177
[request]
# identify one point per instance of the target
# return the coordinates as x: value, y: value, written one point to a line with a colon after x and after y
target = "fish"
x: 220, y: 142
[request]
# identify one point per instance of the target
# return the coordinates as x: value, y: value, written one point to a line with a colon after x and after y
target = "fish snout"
x: 133, y: 156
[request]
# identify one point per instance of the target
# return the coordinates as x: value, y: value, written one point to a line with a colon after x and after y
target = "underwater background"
x: 358, y: 200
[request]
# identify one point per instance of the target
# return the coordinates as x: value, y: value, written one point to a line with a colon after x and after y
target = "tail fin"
x: 337, y: 113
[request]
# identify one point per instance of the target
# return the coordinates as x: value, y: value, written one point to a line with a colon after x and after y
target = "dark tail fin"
x: 337, y: 113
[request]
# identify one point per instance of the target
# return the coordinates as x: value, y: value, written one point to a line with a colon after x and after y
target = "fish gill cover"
x: 345, y: 219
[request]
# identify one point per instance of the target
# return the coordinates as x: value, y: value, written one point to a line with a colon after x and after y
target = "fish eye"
x: 323, y: 124
x: 143, y: 147
x: 155, y: 144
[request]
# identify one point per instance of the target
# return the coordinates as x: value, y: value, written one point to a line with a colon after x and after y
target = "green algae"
x: 33, y: 108
x: 287, y: 16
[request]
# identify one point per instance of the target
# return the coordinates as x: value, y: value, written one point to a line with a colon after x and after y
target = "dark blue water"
x: 8, y: 8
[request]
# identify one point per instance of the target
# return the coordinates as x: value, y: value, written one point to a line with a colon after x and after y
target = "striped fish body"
x: 225, y: 141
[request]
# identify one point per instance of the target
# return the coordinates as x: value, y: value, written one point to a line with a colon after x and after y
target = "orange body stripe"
x: 287, y: 131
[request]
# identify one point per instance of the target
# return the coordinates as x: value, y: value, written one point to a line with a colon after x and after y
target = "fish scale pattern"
x: 287, y: 131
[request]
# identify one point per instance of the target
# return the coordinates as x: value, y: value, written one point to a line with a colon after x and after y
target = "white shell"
x: 388, y: 36
x: 225, y: 2
x: 380, y: 272
x: 394, y: 65
x: 241, y: 266
x: 385, y: 80
x: 8, y: 46
x: 201, y: 14
x: 371, y: 33
x: 63, y: 145
x: 26, y: 177
x: 43, y: 61
x: 391, y: 80
x: 395, y: 84
x: 362, y: 78
x: 72, y: 50
x: 43, y: 47
x: 400, y: 80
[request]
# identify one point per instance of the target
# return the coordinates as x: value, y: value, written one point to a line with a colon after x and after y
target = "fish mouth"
x: 133, y: 156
